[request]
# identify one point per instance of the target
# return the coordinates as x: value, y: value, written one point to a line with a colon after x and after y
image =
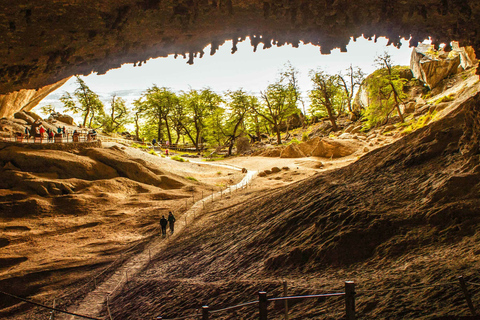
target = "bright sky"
x: 225, y: 71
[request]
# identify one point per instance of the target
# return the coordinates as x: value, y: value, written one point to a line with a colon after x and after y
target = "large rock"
x: 24, y: 116
x: 307, y: 147
x: 432, y: 66
x: 328, y: 148
x: 25, y: 100
x: 292, y: 151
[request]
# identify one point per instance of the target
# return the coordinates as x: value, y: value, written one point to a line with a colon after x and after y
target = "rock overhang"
x: 45, y: 41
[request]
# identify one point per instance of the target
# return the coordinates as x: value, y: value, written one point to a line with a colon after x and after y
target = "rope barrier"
x: 238, y: 306
x: 308, y: 296
x: 409, y: 288
x: 473, y: 283
x: 47, y: 307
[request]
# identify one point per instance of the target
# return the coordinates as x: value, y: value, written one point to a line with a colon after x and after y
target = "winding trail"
x: 94, y: 302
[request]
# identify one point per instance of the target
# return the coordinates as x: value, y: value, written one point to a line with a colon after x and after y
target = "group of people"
x: 37, y: 129
x: 170, y: 221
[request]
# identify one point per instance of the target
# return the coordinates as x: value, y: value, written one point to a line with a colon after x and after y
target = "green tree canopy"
x: 327, y: 96
x: 279, y: 100
x: 385, y: 91
x: 84, y: 101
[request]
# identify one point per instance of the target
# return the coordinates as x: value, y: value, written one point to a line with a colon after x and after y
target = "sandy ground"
x: 65, y: 247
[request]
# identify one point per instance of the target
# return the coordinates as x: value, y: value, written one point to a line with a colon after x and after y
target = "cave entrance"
x: 224, y: 71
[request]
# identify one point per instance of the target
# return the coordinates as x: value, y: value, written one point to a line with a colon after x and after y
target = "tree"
x: 117, y: 116
x: 199, y: 107
x: 279, y: 100
x: 239, y: 104
x: 327, y: 95
x: 349, y: 82
x: 157, y: 105
x: 139, y: 108
x: 48, y: 109
x: 385, y: 91
x: 87, y: 102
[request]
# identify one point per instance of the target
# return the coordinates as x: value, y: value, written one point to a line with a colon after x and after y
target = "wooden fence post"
x: 285, y: 294
x: 350, y: 300
x: 205, y: 312
x: 52, y: 313
x: 263, y: 305
x: 467, y: 295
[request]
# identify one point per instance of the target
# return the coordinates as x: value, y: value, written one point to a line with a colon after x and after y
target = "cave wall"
x: 25, y: 99
x: 45, y: 41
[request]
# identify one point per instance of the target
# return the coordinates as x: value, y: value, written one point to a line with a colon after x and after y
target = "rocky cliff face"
x: 45, y: 41
x: 25, y: 99
x: 432, y: 66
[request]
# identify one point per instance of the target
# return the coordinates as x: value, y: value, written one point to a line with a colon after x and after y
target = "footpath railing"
x: 263, y: 302
x: 57, y: 138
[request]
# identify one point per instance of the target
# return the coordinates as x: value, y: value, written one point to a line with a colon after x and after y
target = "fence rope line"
x: 47, y: 307
x: 241, y: 305
x: 409, y: 287
x: 473, y: 283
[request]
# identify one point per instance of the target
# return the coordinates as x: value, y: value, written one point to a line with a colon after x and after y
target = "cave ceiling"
x: 44, y: 41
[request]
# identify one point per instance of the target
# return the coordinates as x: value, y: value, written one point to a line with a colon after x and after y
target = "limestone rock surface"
x: 25, y: 99
x: 432, y: 66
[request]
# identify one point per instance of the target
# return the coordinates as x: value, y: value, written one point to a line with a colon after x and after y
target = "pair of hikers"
x: 170, y: 221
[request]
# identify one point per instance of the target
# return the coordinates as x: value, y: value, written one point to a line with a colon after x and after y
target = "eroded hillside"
x: 402, y: 216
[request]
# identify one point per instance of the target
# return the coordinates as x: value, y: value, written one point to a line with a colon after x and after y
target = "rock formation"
x: 432, y: 66
x: 25, y: 99
x: 45, y: 41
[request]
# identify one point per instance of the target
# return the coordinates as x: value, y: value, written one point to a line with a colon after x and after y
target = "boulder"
x: 328, y: 148
x: 345, y: 135
x: 432, y: 66
x: 65, y: 119
x: 33, y: 115
x: 292, y: 151
x: 308, y: 146
x: 272, y: 152
x: 24, y: 116
x: 275, y: 170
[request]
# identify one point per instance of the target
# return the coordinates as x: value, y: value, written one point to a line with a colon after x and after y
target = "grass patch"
x: 448, y: 98
x: 177, y: 158
x: 304, y: 137
x: 219, y: 173
x: 420, y: 122
x: 293, y: 141
x: 153, y: 152
x: 191, y: 178
x: 140, y: 146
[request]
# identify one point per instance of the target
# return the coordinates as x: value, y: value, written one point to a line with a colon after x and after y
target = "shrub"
x: 139, y: 146
x: 153, y: 152
x: 177, y: 158
x: 294, y: 141
x: 305, y: 137
x: 191, y: 178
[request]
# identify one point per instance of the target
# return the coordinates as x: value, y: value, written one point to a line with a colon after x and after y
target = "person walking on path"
x: 163, y: 225
x: 171, y: 221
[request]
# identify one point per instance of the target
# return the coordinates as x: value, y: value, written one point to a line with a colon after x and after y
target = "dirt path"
x: 94, y: 302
